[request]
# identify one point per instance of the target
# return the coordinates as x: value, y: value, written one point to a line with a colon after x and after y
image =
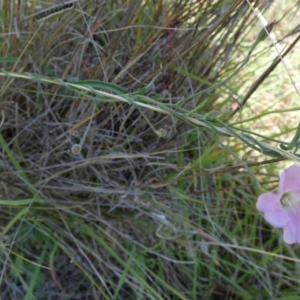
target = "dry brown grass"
x: 128, y: 186
x: 113, y: 43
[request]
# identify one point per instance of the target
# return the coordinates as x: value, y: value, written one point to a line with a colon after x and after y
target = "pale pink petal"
x: 289, y: 179
x: 268, y: 202
x: 291, y: 233
x: 277, y: 218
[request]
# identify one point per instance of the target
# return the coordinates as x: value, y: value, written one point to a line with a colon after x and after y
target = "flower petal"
x: 289, y: 180
x: 278, y: 218
x: 291, y: 233
x: 268, y: 202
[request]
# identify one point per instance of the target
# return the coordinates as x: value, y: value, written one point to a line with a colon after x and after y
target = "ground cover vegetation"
x: 136, y: 137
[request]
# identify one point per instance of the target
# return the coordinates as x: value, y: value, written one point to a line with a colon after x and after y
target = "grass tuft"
x: 135, y: 139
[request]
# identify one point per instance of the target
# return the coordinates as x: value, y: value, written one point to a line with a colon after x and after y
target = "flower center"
x: 290, y: 200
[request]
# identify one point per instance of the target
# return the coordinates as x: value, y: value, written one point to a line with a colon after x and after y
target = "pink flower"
x: 282, y: 210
